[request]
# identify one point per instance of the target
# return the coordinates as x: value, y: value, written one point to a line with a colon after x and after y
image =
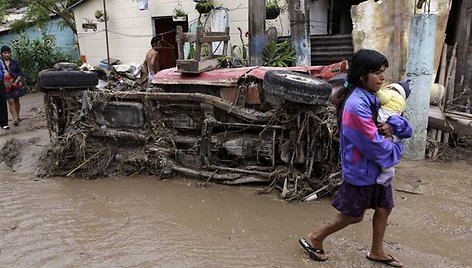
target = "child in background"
x: 392, y: 100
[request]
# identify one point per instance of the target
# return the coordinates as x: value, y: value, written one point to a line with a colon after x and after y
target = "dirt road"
x: 146, y: 222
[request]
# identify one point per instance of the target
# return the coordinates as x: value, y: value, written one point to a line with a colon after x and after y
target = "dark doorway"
x: 339, y: 18
x: 165, y: 27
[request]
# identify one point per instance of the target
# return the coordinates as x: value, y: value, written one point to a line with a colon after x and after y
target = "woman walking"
x: 12, y: 81
x: 365, y: 150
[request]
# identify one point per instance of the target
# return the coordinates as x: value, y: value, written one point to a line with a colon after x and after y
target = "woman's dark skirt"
x: 353, y: 200
x: 16, y: 93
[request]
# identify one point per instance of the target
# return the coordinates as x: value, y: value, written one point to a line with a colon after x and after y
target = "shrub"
x: 36, y: 55
x: 278, y: 54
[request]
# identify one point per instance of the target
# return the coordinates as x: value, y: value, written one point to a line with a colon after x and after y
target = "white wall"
x: 319, y: 17
x: 130, y: 29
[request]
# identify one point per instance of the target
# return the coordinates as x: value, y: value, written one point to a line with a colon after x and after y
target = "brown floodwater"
x: 146, y: 222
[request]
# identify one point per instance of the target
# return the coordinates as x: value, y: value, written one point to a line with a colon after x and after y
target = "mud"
x: 148, y: 222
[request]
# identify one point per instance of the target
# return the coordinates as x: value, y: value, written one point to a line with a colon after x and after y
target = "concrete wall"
x: 65, y: 38
x: 385, y: 28
x: 319, y: 17
x: 131, y: 29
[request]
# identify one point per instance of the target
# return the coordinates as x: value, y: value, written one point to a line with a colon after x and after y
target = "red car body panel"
x: 228, y: 76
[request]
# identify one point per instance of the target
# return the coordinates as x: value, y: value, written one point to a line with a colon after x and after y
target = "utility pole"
x: 299, y: 12
x: 105, y: 15
x: 420, y: 70
x: 257, y: 39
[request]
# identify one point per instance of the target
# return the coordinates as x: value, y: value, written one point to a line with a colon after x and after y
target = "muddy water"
x: 146, y: 222
x: 142, y: 222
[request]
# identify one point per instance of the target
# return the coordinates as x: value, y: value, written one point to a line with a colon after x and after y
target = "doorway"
x: 165, y: 27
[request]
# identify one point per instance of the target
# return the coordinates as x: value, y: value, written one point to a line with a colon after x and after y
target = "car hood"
x: 224, y: 76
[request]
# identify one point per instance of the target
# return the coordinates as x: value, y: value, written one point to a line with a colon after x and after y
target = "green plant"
x: 272, y: 4
x: 98, y: 14
x: 204, y: 7
x: 39, y: 13
x: 278, y: 54
x: 38, y: 54
x: 240, y: 52
x: 225, y: 62
x: 179, y: 12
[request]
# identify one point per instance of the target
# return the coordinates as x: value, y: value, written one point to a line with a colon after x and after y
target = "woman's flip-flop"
x: 314, y: 253
x: 390, y: 262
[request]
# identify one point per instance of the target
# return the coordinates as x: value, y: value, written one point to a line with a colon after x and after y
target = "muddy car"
x: 264, y: 125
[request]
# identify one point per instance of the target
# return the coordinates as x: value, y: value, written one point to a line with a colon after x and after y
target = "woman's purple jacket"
x: 363, y: 150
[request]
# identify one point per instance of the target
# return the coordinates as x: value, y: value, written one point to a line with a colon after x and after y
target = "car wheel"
x: 66, y: 66
x: 296, y: 87
x: 67, y: 79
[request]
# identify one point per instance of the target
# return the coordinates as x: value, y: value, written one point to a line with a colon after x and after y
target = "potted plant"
x: 204, y: 7
x: 89, y: 24
x: 179, y: 14
x: 100, y: 15
x: 272, y: 9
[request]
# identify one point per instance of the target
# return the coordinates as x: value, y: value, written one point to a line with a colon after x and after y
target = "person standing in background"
x: 3, y: 100
x: 151, y: 62
x: 12, y: 81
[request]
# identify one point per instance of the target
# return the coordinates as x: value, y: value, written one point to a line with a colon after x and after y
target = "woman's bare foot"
x: 387, y: 259
x: 315, y: 242
x: 316, y: 254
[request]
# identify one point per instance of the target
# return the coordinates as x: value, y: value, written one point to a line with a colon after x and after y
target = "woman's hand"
x: 384, y: 129
x: 17, y: 82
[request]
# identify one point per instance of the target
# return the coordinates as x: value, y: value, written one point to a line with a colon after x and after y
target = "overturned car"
x: 264, y: 125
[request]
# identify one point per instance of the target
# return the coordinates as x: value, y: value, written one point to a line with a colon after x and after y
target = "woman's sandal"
x: 390, y: 262
x: 16, y: 123
x: 314, y: 253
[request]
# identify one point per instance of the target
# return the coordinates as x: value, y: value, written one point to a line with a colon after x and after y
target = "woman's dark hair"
x: 5, y: 48
x: 363, y: 62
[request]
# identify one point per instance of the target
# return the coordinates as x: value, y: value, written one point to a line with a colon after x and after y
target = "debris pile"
x: 288, y: 146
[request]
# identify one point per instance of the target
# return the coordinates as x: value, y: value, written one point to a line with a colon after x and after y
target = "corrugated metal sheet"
x: 328, y: 49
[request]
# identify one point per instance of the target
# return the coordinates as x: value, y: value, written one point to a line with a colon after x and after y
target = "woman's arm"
x: 359, y: 128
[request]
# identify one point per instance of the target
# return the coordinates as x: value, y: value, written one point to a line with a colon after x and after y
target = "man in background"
x: 151, y: 62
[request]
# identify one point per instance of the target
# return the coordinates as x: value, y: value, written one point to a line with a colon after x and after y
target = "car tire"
x: 67, y: 79
x: 66, y: 66
x: 296, y: 87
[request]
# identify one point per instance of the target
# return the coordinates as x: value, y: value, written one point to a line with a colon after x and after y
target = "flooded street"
x: 143, y: 221
x: 146, y: 222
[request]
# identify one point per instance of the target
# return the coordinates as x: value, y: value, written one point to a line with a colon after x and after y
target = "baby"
x: 392, y: 102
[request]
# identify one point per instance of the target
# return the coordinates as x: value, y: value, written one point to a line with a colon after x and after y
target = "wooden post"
x: 257, y: 41
x: 198, y: 44
x: 180, y: 43
x: 300, y: 29
x: 450, y: 79
x: 436, y: 134
x: 464, y: 42
x: 449, y: 85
